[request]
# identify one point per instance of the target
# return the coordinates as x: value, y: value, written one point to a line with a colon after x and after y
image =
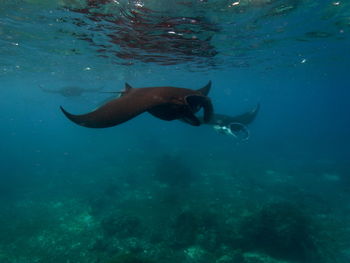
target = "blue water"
x: 157, y: 191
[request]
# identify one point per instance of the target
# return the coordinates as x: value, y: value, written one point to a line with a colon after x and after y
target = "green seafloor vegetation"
x: 129, y: 213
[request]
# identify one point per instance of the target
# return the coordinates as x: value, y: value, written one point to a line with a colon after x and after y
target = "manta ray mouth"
x: 239, y: 131
x: 198, y: 102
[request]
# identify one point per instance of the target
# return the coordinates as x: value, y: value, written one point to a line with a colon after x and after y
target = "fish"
x: 245, y: 118
x: 69, y: 91
x: 166, y: 103
x: 236, y: 125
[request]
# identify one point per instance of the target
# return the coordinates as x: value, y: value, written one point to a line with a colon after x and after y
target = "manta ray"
x: 226, y: 120
x: 166, y: 103
x: 235, y: 126
x: 69, y: 91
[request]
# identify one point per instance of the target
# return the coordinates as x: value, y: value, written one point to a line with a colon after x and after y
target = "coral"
x: 122, y: 226
x: 259, y: 258
x: 192, y: 227
x: 185, y: 228
x: 197, y: 254
x: 174, y: 171
x: 128, y: 258
x: 281, y: 230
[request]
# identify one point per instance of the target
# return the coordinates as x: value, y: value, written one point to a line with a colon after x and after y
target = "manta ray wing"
x: 115, y: 111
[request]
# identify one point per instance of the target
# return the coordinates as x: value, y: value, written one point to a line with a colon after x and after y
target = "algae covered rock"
x: 185, y: 229
x: 196, y: 254
x: 259, y: 258
x: 129, y: 258
x: 122, y: 226
x: 280, y: 230
x: 174, y: 171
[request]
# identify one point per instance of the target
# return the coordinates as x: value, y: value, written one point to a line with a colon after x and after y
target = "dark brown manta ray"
x: 166, y: 103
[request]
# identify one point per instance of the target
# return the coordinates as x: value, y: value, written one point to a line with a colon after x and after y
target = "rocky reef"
x: 178, y: 214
